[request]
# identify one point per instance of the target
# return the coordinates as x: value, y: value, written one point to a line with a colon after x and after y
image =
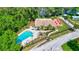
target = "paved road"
x: 55, y: 45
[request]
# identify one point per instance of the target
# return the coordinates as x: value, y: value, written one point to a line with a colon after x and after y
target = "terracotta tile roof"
x: 46, y: 22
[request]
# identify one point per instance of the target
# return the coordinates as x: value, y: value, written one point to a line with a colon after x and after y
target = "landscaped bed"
x: 55, y: 35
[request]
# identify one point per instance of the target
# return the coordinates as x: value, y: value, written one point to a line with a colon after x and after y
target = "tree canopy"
x: 8, y: 41
x: 13, y: 19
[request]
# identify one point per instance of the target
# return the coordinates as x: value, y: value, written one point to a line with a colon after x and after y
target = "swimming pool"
x: 24, y: 36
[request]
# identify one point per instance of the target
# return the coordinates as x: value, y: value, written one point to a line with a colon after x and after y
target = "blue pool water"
x: 23, y: 36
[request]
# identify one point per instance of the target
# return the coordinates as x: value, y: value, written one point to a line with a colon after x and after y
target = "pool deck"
x: 23, y: 32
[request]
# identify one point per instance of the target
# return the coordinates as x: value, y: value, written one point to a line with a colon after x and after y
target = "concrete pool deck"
x: 25, y: 35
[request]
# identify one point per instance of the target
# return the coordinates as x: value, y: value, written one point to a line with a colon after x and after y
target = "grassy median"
x: 65, y: 47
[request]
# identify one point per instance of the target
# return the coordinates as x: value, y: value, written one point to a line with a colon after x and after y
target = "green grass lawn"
x: 72, y: 45
x: 66, y: 47
x: 63, y: 29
